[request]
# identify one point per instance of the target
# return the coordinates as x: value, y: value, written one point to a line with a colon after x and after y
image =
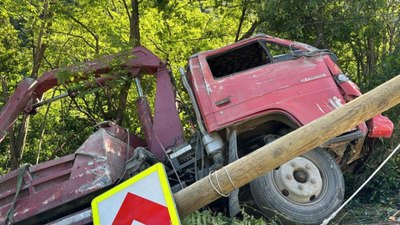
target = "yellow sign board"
x: 143, y: 199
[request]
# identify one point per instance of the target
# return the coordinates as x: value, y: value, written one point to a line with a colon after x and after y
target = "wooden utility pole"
x: 296, y: 143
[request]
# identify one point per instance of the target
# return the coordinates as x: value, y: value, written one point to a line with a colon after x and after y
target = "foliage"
x: 207, y: 217
x: 360, y: 213
x: 384, y: 187
x: 41, y: 35
x: 77, y: 31
x: 360, y: 32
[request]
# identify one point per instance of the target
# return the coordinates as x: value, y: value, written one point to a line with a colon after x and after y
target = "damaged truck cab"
x: 264, y: 87
x: 239, y: 85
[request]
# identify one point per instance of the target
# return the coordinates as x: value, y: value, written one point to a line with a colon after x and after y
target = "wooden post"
x: 270, y: 156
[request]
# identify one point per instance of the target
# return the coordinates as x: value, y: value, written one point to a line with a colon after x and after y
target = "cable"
x: 230, y: 179
x: 169, y: 160
x: 219, y: 189
x: 194, y: 102
x: 326, y: 221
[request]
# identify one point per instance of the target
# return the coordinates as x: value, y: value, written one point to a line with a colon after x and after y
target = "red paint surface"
x: 142, y: 210
x: 166, y: 128
x: 350, y: 90
x: 380, y: 126
x: 302, y: 89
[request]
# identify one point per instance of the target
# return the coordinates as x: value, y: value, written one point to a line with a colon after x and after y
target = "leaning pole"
x: 268, y: 157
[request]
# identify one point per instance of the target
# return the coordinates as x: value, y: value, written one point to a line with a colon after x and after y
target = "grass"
x: 358, y: 213
x: 208, y: 218
x: 354, y: 214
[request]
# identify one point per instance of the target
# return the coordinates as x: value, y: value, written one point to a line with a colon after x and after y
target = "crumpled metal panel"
x: 380, y: 126
x: 58, y: 186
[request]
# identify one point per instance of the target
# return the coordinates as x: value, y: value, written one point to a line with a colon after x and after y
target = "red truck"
x: 244, y: 96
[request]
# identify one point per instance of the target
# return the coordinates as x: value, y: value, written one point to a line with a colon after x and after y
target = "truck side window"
x: 239, y: 59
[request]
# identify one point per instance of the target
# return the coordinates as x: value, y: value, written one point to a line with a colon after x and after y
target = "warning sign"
x: 143, y: 199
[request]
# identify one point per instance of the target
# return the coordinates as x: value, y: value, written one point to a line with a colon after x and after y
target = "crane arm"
x: 29, y: 91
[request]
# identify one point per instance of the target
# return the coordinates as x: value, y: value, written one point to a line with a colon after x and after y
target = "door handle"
x: 223, y: 101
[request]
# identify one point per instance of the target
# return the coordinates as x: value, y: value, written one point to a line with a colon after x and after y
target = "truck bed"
x: 65, y: 185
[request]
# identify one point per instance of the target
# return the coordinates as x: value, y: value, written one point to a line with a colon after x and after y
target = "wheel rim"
x: 299, y: 181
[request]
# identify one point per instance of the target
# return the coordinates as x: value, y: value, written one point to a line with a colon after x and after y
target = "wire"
x: 326, y: 221
x: 169, y: 160
x: 219, y: 191
x: 230, y: 179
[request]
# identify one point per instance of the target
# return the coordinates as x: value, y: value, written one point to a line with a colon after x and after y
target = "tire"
x: 305, y: 190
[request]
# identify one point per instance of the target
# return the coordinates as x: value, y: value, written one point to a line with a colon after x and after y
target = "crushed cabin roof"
x: 302, y: 46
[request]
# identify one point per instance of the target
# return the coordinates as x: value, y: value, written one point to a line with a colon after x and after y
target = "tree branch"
x: 88, y: 114
x: 94, y: 35
x: 158, y: 47
x: 127, y: 12
x: 253, y: 27
x: 244, y: 9
x: 48, y: 62
x: 134, y: 31
x: 77, y: 36
x: 43, y: 129
x: 38, y: 51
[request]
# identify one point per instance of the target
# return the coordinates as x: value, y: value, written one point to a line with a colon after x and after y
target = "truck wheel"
x: 305, y: 190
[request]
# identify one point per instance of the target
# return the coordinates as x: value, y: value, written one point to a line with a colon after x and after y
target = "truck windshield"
x: 281, y: 52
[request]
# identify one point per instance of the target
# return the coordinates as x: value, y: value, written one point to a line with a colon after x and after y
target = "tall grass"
x: 208, y: 218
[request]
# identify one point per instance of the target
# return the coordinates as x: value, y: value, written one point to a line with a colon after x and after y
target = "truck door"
x: 233, y: 78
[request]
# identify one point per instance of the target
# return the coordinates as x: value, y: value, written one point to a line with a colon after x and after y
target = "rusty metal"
x: 67, y: 183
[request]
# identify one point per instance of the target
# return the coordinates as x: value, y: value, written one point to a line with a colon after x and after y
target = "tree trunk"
x: 19, y: 133
x: 134, y: 31
x: 18, y: 143
x: 371, y: 56
x: 39, y: 49
x: 134, y: 40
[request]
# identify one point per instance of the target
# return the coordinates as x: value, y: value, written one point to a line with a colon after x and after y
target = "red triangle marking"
x: 142, y: 210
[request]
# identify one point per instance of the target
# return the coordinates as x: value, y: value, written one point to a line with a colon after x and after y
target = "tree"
x: 27, y: 31
x: 41, y: 35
